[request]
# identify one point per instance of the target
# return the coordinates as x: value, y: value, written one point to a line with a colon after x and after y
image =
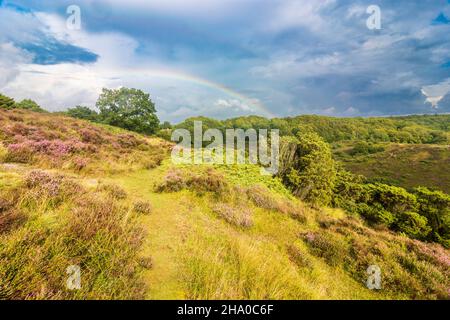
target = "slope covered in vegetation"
x: 405, y: 165
x: 112, y: 203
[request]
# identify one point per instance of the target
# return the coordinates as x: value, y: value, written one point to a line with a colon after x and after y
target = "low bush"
x: 113, y: 190
x: 201, y: 182
x: 411, y: 268
x: 237, y: 215
x: 300, y: 258
x: 262, y: 197
x: 328, y: 246
x: 142, y: 207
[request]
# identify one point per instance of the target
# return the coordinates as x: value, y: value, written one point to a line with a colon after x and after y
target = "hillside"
x: 405, y: 165
x: 111, y: 202
x: 413, y: 150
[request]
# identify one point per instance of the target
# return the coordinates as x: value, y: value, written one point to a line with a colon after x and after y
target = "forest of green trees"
x: 426, y: 129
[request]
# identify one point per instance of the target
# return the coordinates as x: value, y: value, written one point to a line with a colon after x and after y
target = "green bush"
x: 6, y: 102
x: 435, y: 206
x: 413, y: 225
x: 85, y: 113
x: 365, y: 148
x: 307, y: 168
x: 376, y: 214
x: 29, y: 104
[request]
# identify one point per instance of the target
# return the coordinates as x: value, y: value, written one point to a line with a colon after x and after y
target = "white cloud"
x: 298, y: 13
x: 10, y: 58
x: 435, y: 93
x: 235, y: 104
x: 356, y: 10
x: 59, y: 86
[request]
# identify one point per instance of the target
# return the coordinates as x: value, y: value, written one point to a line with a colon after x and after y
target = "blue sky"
x: 225, y: 58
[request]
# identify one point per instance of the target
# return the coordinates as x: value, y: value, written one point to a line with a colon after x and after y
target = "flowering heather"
x: 91, y: 136
x: 80, y: 163
x: 45, y: 182
x: 54, y: 148
x: 431, y: 252
x: 56, y: 141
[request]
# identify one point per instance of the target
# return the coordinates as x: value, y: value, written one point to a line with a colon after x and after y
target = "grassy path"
x: 164, y: 233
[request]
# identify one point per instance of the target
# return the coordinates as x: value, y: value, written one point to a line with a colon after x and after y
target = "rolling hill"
x: 74, y: 193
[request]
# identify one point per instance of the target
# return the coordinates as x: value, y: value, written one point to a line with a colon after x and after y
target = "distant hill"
x: 405, y: 165
x: 420, y: 129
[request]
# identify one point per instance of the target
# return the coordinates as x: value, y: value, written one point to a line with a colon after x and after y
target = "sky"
x: 228, y: 58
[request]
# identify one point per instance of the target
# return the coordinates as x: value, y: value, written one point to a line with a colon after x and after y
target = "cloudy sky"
x: 224, y: 58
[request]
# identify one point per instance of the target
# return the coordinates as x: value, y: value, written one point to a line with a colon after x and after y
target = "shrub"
x: 262, y: 197
x: 91, y: 136
x: 394, y: 199
x: 129, y: 141
x: 19, y: 152
x: 29, y: 104
x: 173, y: 182
x: 413, y: 225
x: 435, y: 206
x: 307, y: 168
x: 143, y: 207
x: 299, y: 257
x: 113, y: 190
x: 25, y: 151
x: 364, y: 148
x: 79, y: 163
x: 240, y: 216
x: 85, y: 113
x: 6, y: 102
x: 376, y: 214
x: 328, y: 246
x: 49, y: 188
x: 45, y: 182
x: 155, y: 160
x: 200, y: 182
x: 11, y: 219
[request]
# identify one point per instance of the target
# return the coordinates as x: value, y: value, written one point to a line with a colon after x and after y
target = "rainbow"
x: 177, y: 75
x: 160, y: 73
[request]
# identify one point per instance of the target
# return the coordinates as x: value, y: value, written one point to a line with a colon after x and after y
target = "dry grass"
x: 92, y: 230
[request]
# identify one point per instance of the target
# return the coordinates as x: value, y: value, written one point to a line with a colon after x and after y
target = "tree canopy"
x: 29, y: 104
x: 82, y: 112
x: 131, y: 109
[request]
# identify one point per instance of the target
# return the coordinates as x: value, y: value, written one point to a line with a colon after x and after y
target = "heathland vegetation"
x: 98, y: 190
